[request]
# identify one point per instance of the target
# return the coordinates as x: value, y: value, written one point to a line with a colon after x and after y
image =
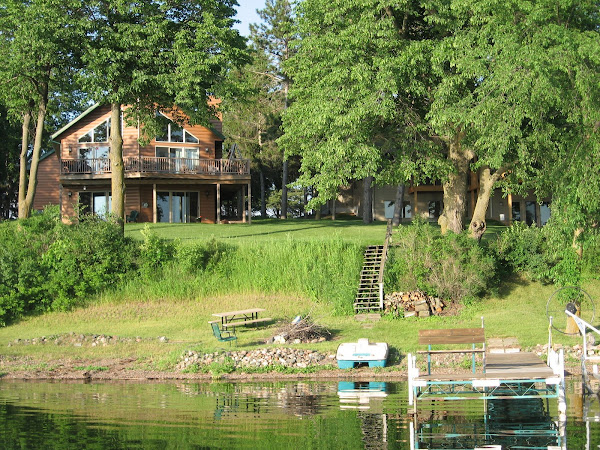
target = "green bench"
x: 452, y: 336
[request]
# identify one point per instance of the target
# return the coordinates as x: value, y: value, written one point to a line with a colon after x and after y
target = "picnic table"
x: 232, y: 319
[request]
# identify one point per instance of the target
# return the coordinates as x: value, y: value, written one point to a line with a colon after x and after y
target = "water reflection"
x: 367, y: 398
x: 279, y: 415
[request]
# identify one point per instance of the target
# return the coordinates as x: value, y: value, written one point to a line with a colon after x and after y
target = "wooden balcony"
x: 149, y: 166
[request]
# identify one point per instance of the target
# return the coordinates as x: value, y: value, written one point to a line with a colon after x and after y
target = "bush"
x: 524, y: 249
x: 22, y: 276
x: 453, y: 266
x: 85, y: 259
x: 591, y: 257
x: 154, y: 252
x: 47, y: 265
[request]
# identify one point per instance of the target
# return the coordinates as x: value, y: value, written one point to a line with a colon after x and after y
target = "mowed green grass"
x: 517, y: 310
x: 265, y: 230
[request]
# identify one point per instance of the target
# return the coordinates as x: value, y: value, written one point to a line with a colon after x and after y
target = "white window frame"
x: 185, y: 132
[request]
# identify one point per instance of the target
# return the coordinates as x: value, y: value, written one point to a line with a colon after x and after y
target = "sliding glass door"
x: 176, y: 207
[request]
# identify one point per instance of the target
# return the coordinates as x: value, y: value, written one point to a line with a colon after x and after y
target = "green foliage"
x: 218, y: 368
x: 524, y: 249
x: 198, y: 257
x: 453, y: 266
x: 85, y: 259
x: 154, y: 252
x: 295, y: 202
x: 22, y: 277
x: 47, y: 265
x: 590, y: 265
x: 547, y: 254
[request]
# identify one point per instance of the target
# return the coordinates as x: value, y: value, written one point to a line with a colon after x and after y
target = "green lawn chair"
x: 133, y: 216
x: 217, y: 332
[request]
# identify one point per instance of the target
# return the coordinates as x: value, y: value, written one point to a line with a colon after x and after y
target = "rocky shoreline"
x: 231, y: 364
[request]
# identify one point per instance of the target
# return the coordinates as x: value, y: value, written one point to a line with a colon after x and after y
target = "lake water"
x: 301, y: 415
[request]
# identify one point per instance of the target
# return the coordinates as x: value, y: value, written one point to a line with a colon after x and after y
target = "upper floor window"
x: 171, y: 132
x: 100, y: 133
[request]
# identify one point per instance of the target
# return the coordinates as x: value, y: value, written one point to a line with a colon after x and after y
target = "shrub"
x: 154, y: 252
x: 47, y: 265
x: 453, y: 266
x: 590, y: 264
x: 22, y: 276
x: 85, y: 259
x: 524, y: 249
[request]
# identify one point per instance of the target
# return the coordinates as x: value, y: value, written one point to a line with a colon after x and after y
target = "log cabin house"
x: 181, y: 176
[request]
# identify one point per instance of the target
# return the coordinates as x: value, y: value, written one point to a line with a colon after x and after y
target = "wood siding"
x: 47, y: 191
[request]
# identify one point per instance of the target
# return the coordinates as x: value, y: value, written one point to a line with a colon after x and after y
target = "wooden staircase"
x: 368, y: 294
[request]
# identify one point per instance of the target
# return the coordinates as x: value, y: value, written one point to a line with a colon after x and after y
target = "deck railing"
x: 151, y: 164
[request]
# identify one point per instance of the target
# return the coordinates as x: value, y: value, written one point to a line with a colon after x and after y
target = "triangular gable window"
x: 171, y: 132
x: 100, y: 133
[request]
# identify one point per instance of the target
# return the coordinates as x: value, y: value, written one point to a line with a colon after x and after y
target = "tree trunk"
x: 26, y: 204
x: 398, y: 205
x: 304, y: 201
x: 284, y: 180
x: 318, y: 210
x: 455, y: 187
x: 117, y: 169
x: 367, y: 200
x: 576, y: 244
x: 23, y: 213
x: 333, y: 204
x: 284, y: 194
x: 486, y: 188
x: 263, y: 197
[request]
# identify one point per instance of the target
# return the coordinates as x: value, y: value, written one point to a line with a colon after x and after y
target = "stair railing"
x: 388, y: 237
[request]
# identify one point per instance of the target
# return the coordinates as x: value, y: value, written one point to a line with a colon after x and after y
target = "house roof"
x: 75, y: 120
x: 95, y: 106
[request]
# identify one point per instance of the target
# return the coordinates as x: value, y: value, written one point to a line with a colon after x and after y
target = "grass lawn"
x: 517, y: 310
x: 264, y: 230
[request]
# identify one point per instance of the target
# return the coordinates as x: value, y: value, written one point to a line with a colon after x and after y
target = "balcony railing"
x: 150, y: 164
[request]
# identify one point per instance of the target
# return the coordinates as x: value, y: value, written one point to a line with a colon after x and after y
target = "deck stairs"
x: 369, y: 296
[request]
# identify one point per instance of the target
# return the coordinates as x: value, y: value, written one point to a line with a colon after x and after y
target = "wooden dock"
x: 505, y: 375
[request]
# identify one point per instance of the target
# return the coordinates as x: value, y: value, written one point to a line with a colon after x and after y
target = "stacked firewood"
x: 413, y: 303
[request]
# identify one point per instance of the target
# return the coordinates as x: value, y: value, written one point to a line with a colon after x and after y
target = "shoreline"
x: 107, y: 370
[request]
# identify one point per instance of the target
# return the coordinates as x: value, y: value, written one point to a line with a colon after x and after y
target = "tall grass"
x: 325, y: 271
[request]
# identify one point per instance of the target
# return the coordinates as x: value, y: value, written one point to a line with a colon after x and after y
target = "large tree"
x: 151, y: 55
x: 251, y: 120
x: 518, y: 81
x: 433, y: 89
x: 39, y: 47
x: 274, y: 36
x: 353, y: 115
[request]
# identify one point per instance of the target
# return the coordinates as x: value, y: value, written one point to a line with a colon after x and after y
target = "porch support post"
x: 510, y: 218
x: 242, y: 203
x: 249, y: 204
x: 154, y: 203
x: 218, y: 202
